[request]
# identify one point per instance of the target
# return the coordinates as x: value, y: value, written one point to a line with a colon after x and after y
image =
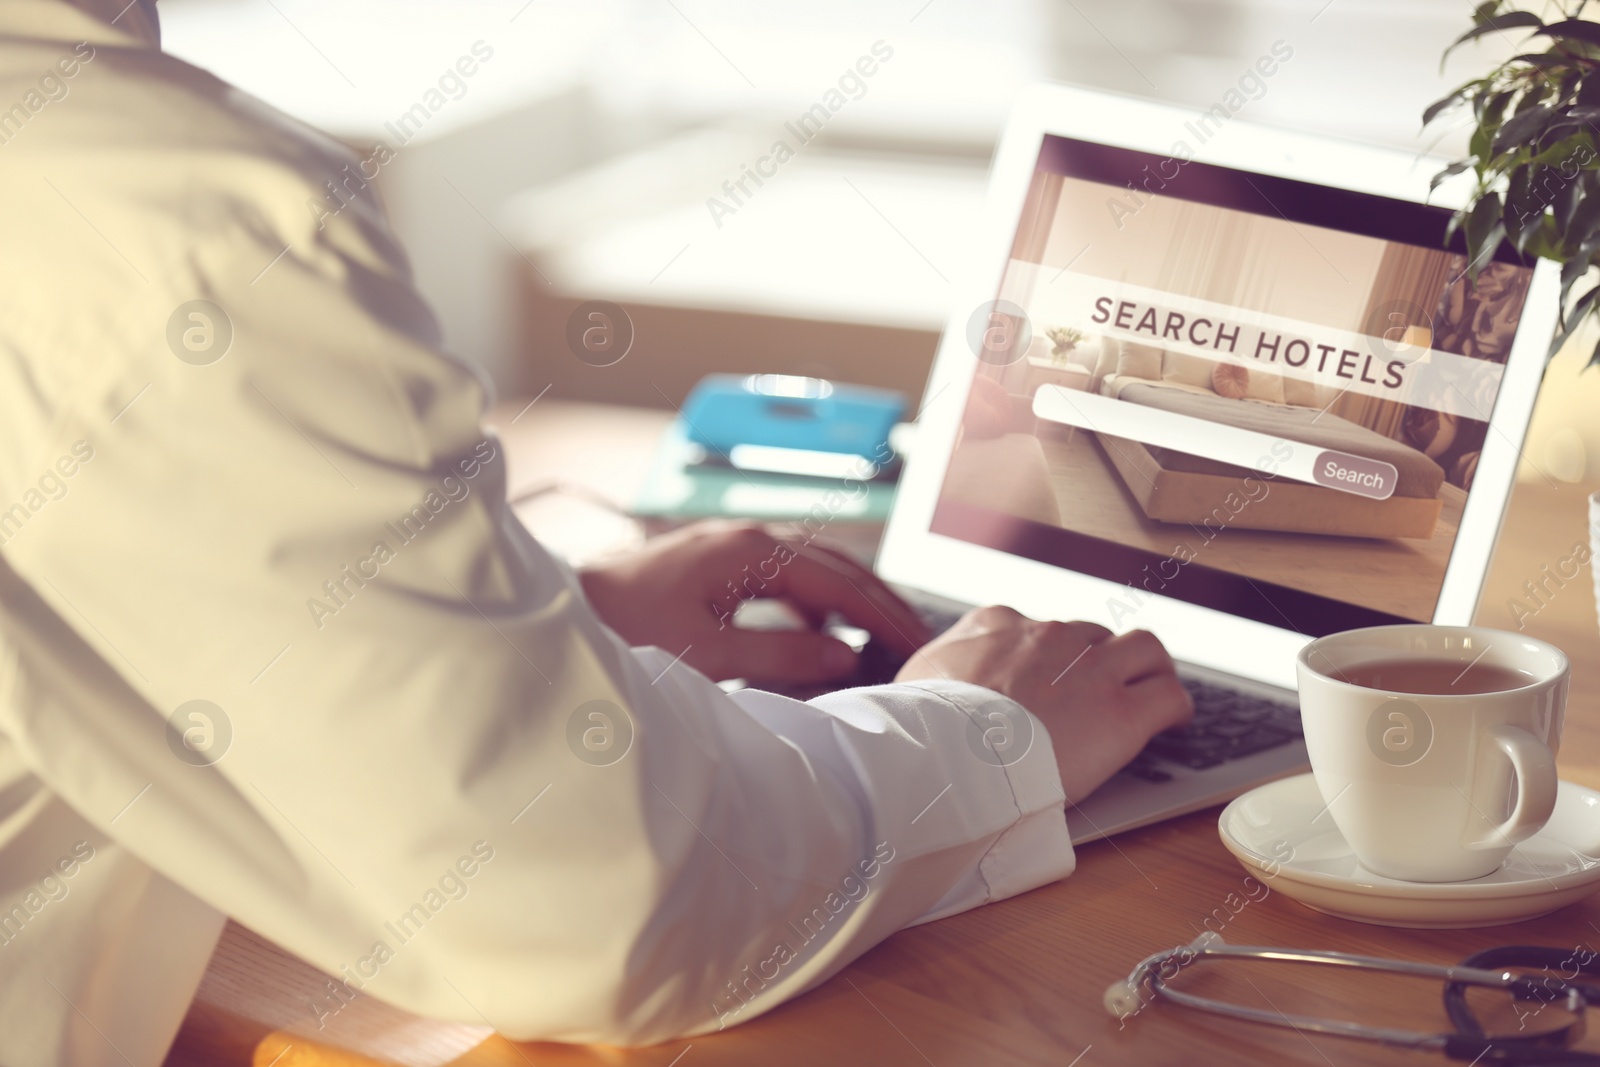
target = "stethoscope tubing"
x: 1468, y: 1041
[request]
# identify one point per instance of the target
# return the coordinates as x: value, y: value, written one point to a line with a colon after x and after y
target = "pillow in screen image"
x: 1183, y: 369
x: 1105, y: 363
x: 1301, y: 392
x: 1139, y: 361
x: 1264, y: 385
x: 1244, y: 383
x: 1230, y: 380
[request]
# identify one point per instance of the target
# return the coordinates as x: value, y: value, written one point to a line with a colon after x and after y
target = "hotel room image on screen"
x: 1247, y: 392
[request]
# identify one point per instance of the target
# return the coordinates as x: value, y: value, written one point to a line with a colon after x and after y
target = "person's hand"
x: 1101, y: 696
x: 679, y: 592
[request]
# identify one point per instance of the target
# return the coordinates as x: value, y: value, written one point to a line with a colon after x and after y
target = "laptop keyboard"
x: 1227, y: 724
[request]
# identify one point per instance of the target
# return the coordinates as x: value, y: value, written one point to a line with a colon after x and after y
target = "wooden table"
x: 1020, y: 982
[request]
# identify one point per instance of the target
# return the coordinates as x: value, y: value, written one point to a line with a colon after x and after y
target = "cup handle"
x: 1536, y: 787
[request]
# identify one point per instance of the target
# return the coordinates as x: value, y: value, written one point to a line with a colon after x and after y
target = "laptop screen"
x: 1255, y: 394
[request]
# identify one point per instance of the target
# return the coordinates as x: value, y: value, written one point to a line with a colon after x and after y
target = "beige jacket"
x: 272, y: 647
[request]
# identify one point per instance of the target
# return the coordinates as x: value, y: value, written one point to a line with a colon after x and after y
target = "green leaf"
x: 1562, y: 152
x: 1585, y: 223
x: 1569, y: 193
x: 1556, y: 342
x: 1522, y: 127
x: 1495, y: 109
x: 1571, y: 271
x: 1578, y: 263
x: 1589, y: 91
x: 1478, y: 146
x: 1494, y: 24
x: 1479, y: 97
x: 1445, y: 103
x: 1572, y: 30
x: 1476, y: 264
x: 1534, y: 94
x: 1449, y: 172
x: 1584, y: 305
x: 1570, y: 322
x: 1542, y: 60
x: 1579, y: 309
x: 1560, y: 130
x: 1565, y: 79
x: 1484, y: 230
x: 1524, y: 209
x: 1545, y: 242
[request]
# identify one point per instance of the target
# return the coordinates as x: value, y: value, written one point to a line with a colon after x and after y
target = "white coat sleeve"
x: 415, y: 756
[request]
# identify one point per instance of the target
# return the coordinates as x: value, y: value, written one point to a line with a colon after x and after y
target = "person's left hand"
x: 679, y: 592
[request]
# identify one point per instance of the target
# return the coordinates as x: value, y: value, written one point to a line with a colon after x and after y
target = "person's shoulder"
x: 184, y: 173
x: 151, y: 125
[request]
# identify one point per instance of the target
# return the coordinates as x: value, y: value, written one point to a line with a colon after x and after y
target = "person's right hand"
x: 1101, y: 696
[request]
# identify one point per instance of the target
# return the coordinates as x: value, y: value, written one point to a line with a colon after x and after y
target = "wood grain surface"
x: 1020, y: 982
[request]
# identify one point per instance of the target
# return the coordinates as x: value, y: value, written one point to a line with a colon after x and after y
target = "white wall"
x: 575, y: 80
x: 1564, y: 438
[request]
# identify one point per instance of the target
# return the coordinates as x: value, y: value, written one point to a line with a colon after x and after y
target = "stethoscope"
x: 1469, y: 1042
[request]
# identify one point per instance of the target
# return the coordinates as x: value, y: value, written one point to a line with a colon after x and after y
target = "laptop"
x: 1226, y: 383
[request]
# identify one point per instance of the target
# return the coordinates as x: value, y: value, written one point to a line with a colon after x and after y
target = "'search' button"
x: 1356, y: 474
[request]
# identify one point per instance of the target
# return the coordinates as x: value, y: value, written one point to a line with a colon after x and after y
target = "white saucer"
x: 1555, y: 867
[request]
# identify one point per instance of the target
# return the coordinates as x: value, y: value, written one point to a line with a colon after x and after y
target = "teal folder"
x: 679, y: 486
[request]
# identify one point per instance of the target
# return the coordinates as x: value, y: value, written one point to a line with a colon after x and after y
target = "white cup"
x: 1433, y: 787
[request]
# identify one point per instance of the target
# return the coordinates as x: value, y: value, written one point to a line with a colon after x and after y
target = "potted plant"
x: 1535, y: 149
x: 1534, y: 156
